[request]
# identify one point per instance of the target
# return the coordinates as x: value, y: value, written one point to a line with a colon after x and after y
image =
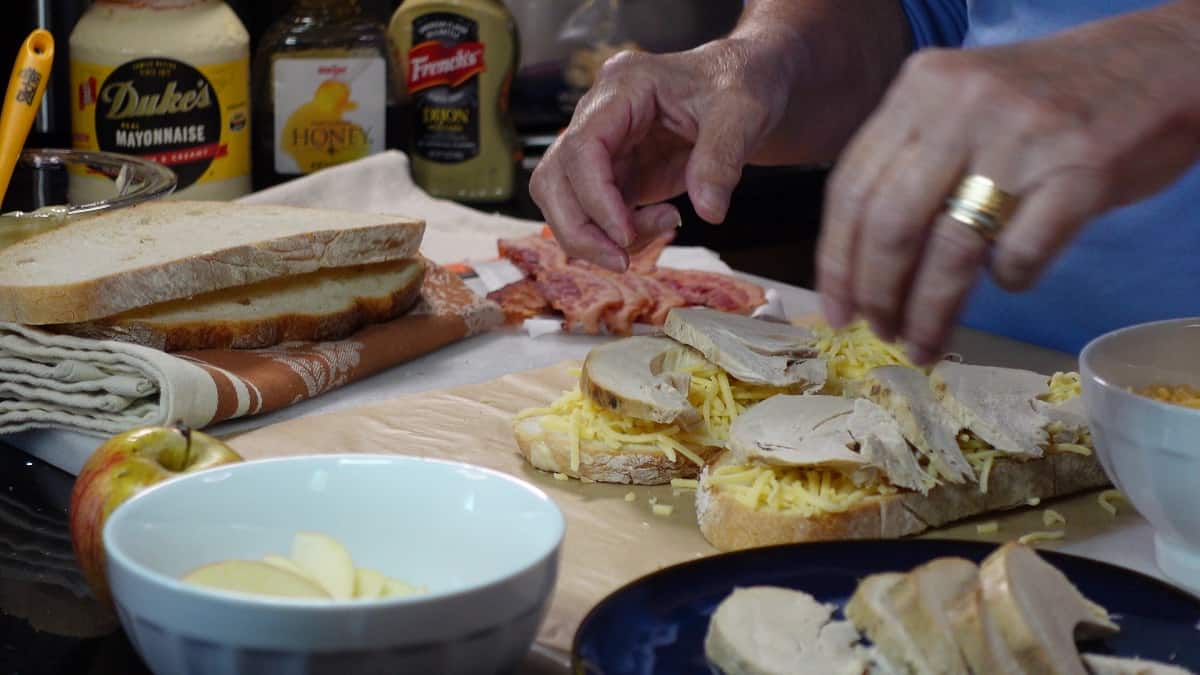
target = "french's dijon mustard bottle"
x: 322, y: 76
x: 168, y: 80
x: 457, y: 59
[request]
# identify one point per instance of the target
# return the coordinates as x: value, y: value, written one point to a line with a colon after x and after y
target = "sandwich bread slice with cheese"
x: 756, y: 497
x: 650, y: 409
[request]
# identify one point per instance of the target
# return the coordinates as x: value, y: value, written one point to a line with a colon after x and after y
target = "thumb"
x: 715, y: 166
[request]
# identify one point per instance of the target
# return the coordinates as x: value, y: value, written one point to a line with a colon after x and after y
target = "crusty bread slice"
x: 551, y: 451
x: 322, y: 305
x: 155, y: 252
x: 729, y: 525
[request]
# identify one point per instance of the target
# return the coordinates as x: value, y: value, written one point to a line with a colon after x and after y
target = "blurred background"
x: 773, y: 221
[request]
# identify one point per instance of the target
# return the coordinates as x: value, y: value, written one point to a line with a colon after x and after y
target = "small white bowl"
x: 1151, y: 449
x: 485, y: 545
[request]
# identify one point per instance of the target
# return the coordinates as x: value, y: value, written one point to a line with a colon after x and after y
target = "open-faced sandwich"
x: 803, y: 435
x: 651, y: 409
x: 1014, y: 614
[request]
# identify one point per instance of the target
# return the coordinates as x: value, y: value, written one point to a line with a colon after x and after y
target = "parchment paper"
x: 609, y: 542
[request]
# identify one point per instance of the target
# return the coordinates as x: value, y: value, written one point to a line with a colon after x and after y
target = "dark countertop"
x: 49, y: 625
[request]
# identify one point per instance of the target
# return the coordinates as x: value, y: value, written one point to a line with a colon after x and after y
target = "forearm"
x: 833, y: 59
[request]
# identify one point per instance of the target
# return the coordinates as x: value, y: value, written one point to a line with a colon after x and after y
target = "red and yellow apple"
x: 123, y: 466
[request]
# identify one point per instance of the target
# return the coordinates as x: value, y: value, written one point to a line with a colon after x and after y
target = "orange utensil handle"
x: 30, y: 73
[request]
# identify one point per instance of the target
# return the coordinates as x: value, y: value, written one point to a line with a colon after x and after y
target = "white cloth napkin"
x: 95, y: 386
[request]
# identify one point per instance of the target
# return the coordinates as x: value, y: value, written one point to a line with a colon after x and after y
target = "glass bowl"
x: 52, y: 186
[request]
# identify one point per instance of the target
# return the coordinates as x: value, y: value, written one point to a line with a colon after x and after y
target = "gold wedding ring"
x: 981, y: 205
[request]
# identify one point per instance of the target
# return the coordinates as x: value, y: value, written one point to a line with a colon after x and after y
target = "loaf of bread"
x: 153, y: 253
x: 323, y: 305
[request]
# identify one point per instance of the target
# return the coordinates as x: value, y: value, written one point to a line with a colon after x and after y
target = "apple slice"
x: 258, y: 578
x: 287, y: 565
x: 369, y: 583
x: 326, y: 561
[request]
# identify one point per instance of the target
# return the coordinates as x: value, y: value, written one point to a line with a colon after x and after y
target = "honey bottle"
x: 457, y: 59
x: 322, y: 90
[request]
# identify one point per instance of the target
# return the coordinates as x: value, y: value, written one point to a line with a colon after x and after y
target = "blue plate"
x: 657, y: 623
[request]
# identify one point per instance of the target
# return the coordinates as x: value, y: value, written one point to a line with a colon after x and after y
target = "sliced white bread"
x: 155, y: 252
x: 551, y: 450
x: 323, y: 305
x: 728, y: 524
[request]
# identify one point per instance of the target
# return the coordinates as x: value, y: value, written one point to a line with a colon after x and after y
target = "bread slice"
x: 729, y: 525
x: 323, y: 305
x: 143, y: 255
x: 550, y: 450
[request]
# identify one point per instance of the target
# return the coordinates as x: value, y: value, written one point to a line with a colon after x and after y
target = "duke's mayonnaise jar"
x: 167, y: 80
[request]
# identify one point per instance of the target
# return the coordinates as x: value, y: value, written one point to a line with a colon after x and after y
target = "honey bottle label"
x: 327, y: 111
x: 443, y: 71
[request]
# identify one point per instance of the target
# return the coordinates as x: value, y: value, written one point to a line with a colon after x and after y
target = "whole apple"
x: 123, y: 466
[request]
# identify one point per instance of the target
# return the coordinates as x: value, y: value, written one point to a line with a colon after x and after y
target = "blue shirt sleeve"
x: 936, y: 23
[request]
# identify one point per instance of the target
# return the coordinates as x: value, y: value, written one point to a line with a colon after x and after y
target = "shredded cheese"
x: 982, y: 461
x: 806, y: 491
x: 719, y: 397
x: 630, y: 497
x: 585, y: 479
x: 1033, y: 501
x: 1063, y: 387
x: 561, y: 476
x: 988, y: 528
x: 662, y: 509
x: 1107, y: 498
x: 1041, y: 536
x: 1179, y: 394
x: 852, y: 352
x: 685, y: 483
x: 1050, y: 518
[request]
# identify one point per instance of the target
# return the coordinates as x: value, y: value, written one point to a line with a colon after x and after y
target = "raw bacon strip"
x: 665, y: 299
x: 645, y: 261
x: 520, y: 300
x: 532, y: 254
x: 581, y: 296
x: 713, y: 290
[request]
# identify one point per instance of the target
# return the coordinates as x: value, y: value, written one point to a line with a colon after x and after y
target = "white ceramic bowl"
x: 484, y: 544
x: 1151, y: 449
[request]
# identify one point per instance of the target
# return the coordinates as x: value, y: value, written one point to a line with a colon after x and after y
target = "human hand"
x: 1071, y: 125
x: 652, y: 127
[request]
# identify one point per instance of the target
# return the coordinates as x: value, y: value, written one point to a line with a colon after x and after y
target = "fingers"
x: 1044, y: 222
x: 589, y: 168
x: 849, y: 189
x: 716, y: 162
x: 895, y: 229
x: 952, y: 262
x: 652, y: 222
x: 574, y: 230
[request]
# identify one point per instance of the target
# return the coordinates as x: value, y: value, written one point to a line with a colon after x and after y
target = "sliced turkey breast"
x: 760, y: 352
x: 766, y: 630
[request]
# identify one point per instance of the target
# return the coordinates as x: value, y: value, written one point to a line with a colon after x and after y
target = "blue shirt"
x: 1134, y: 264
